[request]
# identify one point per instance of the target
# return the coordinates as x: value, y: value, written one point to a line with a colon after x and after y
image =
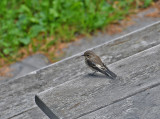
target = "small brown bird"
x: 94, y: 63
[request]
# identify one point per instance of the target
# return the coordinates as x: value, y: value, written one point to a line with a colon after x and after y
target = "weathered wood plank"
x: 145, y: 105
x: 34, y: 113
x: 86, y: 94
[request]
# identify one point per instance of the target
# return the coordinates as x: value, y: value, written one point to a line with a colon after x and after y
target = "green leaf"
x: 35, y: 30
x: 34, y: 20
x: 25, y: 8
x: 53, y: 12
x: 25, y: 41
x: 147, y: 3
x: 6, y: 51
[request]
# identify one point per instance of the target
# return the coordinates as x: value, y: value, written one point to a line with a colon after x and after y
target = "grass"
x: 43, y: 26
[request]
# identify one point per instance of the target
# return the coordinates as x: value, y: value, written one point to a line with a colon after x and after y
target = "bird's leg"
x: 92, y: 74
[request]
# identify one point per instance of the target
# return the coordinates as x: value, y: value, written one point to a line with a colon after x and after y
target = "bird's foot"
x: 92, y: 74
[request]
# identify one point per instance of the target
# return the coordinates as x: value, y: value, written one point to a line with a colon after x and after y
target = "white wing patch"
x: 100, y: 67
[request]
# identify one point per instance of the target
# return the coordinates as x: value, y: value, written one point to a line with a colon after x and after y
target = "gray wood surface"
x: 17, y: 96
x: 86, y: 94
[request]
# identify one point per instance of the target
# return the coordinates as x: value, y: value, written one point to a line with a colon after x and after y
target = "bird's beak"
x: 82, y: 55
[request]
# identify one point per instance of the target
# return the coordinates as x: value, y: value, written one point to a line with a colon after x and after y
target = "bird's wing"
x: 102, y: 68
x: 96, y: 66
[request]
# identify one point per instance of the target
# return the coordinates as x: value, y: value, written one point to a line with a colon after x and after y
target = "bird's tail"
x: 110, y: 74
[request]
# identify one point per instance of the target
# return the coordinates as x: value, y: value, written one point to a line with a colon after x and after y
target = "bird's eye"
x: 87, y: 55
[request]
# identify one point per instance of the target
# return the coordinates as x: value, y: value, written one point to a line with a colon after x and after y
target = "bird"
x: 95, y: 64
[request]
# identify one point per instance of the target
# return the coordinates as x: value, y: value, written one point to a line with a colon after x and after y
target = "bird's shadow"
x: 91, y: 75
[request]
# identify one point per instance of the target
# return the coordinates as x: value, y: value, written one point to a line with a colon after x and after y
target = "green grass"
x: 24, y: 20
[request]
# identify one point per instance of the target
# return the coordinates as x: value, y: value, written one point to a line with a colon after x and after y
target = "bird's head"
x: 88, y: 54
